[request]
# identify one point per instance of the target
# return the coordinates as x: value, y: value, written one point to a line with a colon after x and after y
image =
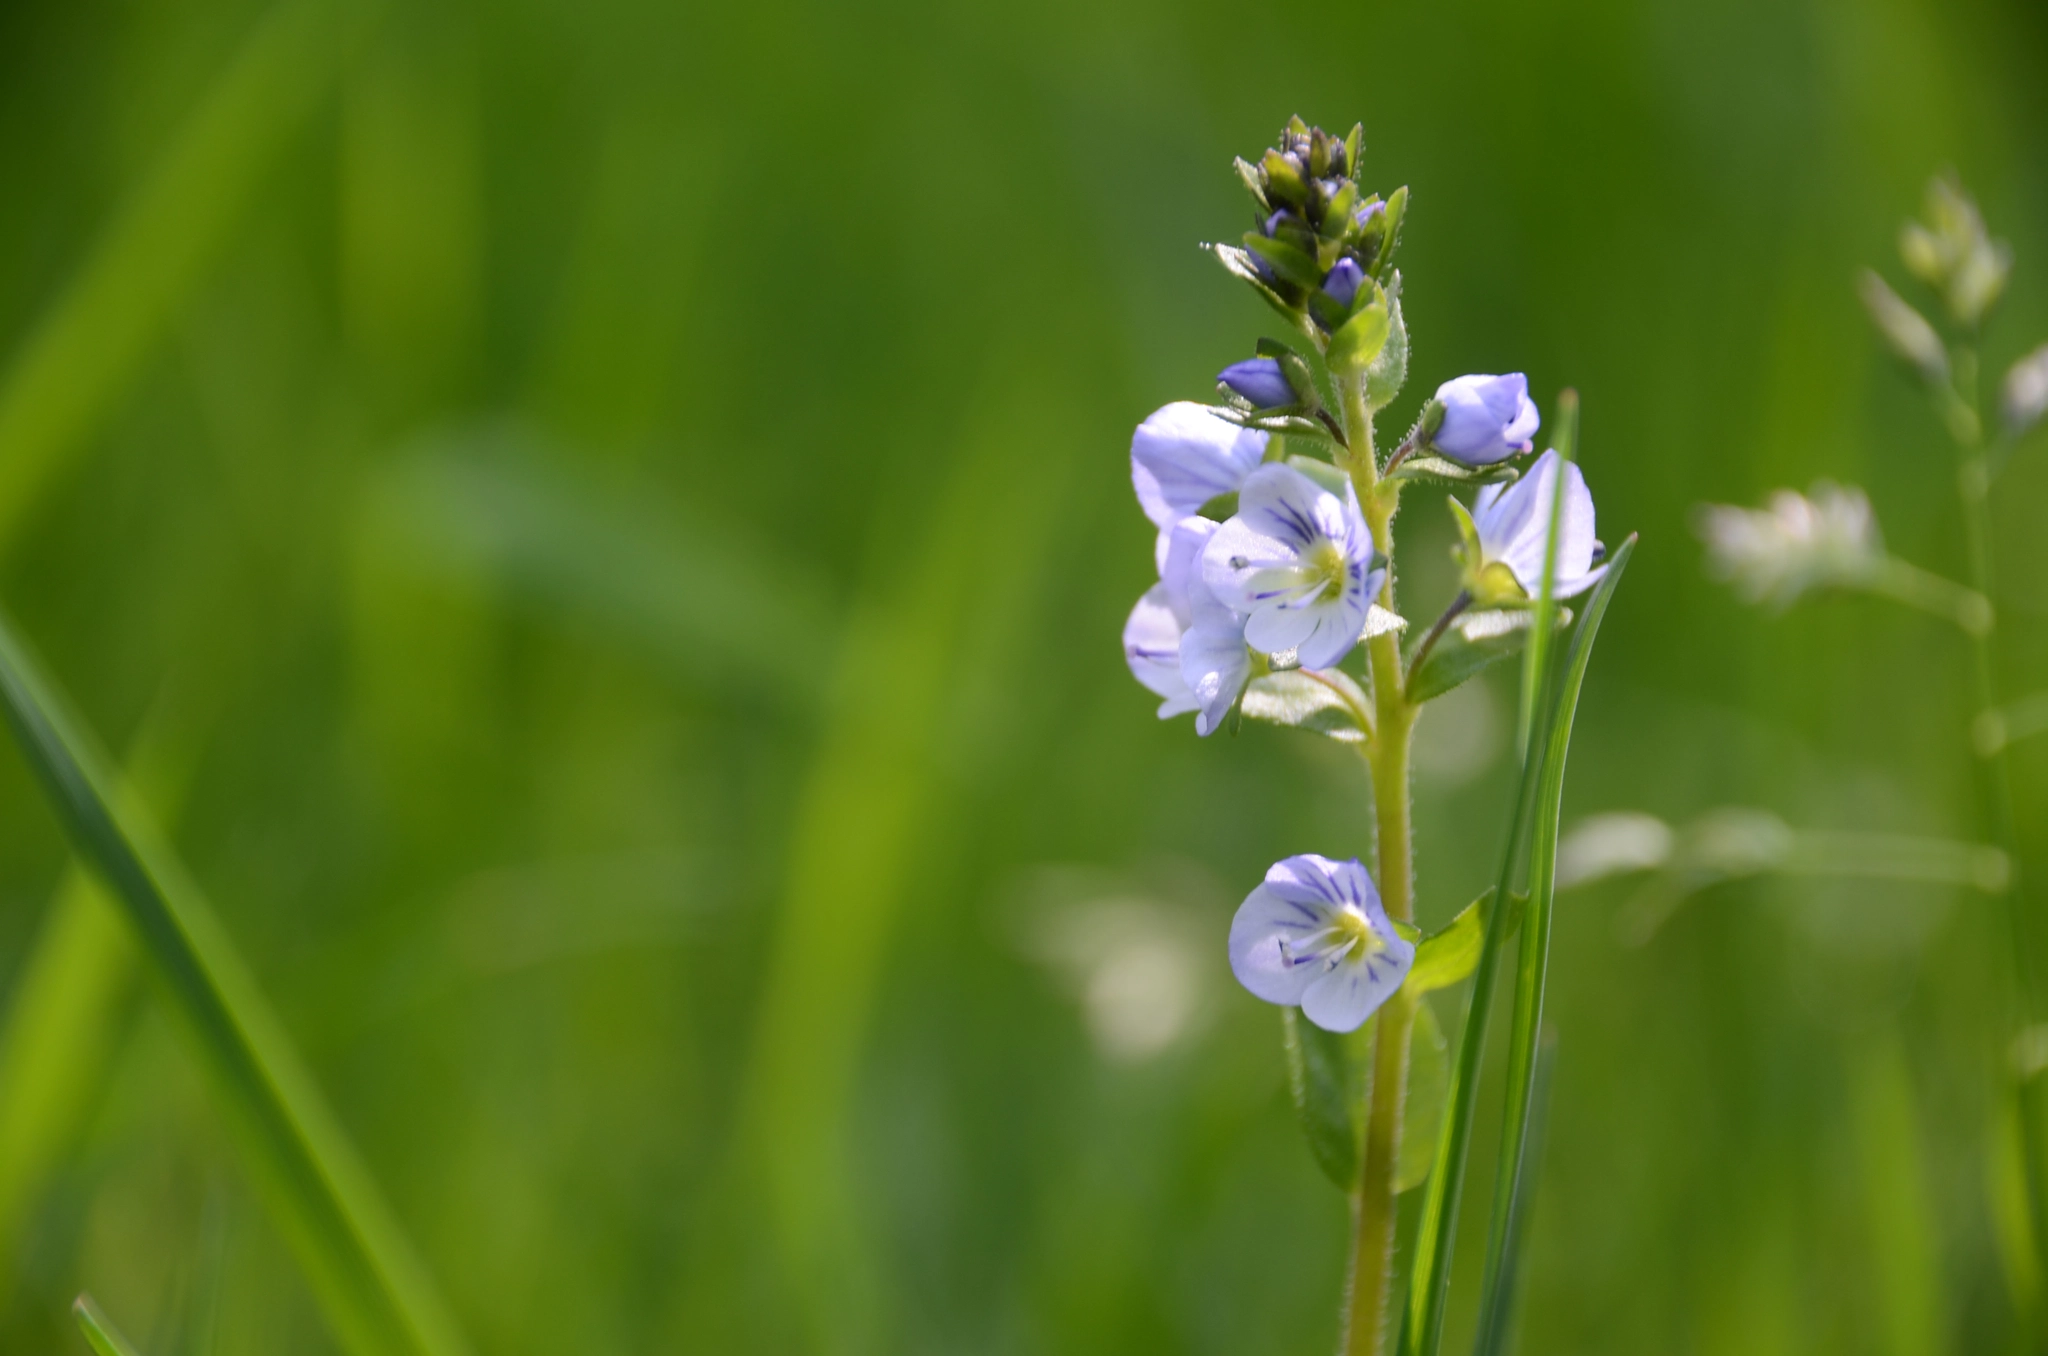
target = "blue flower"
x: 1342, y: 282
x: 1186, y: 454
x: 1512, y: 522
x: 1262, y: 381
x: 1485, y: 419
x: 1297, y: 563
x: 1315, y: 934
x: 1181, y: 642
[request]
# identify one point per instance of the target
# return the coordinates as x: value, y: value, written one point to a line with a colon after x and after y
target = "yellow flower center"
x: 1355, y: 933
x: 1324, y: 562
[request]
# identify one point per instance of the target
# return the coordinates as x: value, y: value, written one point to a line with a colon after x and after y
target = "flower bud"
x: 1260, y: 381
x: 2023, y: 399
x: 1953, y: 254
x: 1485, y: 419
x: 1343, y: 280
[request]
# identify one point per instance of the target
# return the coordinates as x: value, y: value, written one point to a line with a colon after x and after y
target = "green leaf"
x: 1328, y: 1075
x: 1422, y: 1111
x: 1387, y: 373
x: 1249, y: 173
x: 1428, y: 467
x: 1468, y: 647
x: 1240, y: 264
x: 1327, y: 702
x: 375, y: 1293
x: 99, y: 1330
x: 1448, y: 955
x: 1397, y: 208
x: 1293, y: 265
x: 1361, y: 338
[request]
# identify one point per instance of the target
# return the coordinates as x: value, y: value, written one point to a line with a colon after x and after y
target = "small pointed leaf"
x: 1326, y: 701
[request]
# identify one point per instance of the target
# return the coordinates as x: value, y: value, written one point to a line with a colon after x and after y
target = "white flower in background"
x: 1297, y: 563
x: 2023, y: 396
x: 1793, y: 544
x: 1185, y: 455
x: 1509, y: 526
x: 1315, y: 934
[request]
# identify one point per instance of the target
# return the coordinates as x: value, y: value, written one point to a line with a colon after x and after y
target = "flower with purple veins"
x: 1485, y: 419
x: 1511, y: 523
x: 1186, y: 454
x: 1297, y: 563
x: 1315, y: 934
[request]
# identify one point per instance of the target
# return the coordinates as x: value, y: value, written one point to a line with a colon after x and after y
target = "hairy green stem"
x: 1370, y: 1287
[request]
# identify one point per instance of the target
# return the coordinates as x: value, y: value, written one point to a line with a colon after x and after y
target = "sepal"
x: 1322, y: 701
x: 1470, y: 645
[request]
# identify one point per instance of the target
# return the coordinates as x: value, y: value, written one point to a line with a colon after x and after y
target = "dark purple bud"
x: 1342, y: 282
x: 1259, y: 380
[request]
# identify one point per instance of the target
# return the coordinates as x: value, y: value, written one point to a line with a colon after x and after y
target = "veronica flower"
x: 1186, y: 454
x: 1181, y: 642
x: 1509, y: 525
x: 1485, y: 419
x: 1316, y: 934
x: 1297, y: 563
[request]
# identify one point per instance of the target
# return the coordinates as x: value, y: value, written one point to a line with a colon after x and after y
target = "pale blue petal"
x: 1152, y: 644
x: 1236, y: 558
x: 1280, y: 502
x: 1184, y: 455
x: 1340, y: 999
x: 1180, y: 568
x: 1271, y: 945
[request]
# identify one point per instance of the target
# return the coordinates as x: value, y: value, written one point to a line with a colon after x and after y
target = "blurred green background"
x: 603, y: 530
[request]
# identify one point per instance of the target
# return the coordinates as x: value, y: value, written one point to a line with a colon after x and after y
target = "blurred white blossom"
x: 2023, y: 398
x: 1794, y: 543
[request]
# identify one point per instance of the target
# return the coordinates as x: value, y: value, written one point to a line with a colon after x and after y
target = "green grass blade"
x: 1429, y: 1282
x: 1564, y: 436
x: 67, y: 1007
x: 156, y: 250
x: 1492, y: 1337
x: 99, y: 1330
x: 1535, y: 952
x: 374, y: 1292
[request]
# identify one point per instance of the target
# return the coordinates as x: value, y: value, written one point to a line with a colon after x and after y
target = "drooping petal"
x: 1272, y: 945
x: 1213, y: 663
x: 1152, y: 645
x: 1186, y: 454
x: 1342, y: 998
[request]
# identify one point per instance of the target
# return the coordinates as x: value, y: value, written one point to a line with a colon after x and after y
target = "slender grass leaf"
x: 374, y: 1292
x: 99, y: 1330
x: 1535, y: 954
x: 1429, y: 1282
x: 157, y: 249
x: 69, y: 1002
x: 1492, y: 1338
